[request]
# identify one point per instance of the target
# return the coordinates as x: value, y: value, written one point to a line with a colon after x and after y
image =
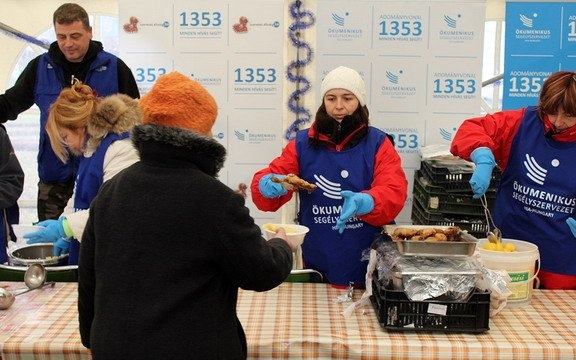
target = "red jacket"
x: 388, y: 188
x: 496, y: 131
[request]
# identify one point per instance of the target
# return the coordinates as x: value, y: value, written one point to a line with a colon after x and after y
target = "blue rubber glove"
x: 572, y: 223
x: 61, y: 246
x: 485, y: 163
x: 355, y: 203
x: 269, y: 189
x: 53, y: 230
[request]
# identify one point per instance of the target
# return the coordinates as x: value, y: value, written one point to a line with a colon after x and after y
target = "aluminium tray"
x: 466, y: 247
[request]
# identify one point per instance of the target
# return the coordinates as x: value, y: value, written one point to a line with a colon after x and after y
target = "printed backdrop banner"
x: 235, y: 50
x: 540, y: 40
x: 421, y: 60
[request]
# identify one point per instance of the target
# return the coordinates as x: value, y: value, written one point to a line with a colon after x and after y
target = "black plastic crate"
x: 454, y: 178
x: 474, y: 225
x: 395, y: 311
x: 436, y: 199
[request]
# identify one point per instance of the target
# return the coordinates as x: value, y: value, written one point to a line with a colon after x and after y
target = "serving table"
x: 305, y: 321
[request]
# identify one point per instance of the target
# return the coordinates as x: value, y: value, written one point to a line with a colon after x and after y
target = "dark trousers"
x: 53, y: 198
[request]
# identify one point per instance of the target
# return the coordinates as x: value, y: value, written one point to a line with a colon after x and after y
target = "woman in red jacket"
x: 535, y: 148
x: 360, y: 182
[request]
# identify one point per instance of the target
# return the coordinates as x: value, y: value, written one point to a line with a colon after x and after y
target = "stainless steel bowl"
x: 36, y: 254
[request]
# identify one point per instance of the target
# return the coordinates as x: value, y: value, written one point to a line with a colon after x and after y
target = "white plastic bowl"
x: 21, y: 230
x: 294, y: 232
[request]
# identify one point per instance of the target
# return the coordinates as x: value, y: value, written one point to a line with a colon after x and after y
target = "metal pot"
x: 36, y: 254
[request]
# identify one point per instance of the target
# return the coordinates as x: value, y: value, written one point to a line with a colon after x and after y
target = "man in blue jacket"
x: 74, y: 55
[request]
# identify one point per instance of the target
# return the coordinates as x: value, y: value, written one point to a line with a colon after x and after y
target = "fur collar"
x: 173, y: 146
x: 117, y: 114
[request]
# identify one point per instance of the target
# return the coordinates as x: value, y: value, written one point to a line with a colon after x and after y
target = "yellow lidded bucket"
x: 522, y: 265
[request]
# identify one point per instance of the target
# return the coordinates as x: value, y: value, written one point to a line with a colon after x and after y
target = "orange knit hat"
x: 176, y: 100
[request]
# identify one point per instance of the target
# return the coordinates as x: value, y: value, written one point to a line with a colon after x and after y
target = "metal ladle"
x: 494, y: 235
x: 34, y: 278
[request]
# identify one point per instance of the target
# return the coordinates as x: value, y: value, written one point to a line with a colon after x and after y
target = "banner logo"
x: 445, y: 134
x: 132, y: 25
x: 450, y: 22
x: 393, y: 78
x: 338, y: 20
x: 254, y: 137
x: 241, y: 26
x: 526, y: 21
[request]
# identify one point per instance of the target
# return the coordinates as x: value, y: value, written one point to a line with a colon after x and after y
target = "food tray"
x: 454, y: 178
x: 466, y: 247
x: 474, y: 225
x: 436, y: 199
x: 396, y: 312
x: 454, y: 277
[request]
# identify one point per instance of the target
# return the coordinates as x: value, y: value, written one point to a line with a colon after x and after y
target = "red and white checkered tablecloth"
x: 41, y: 324
x: 304, y: 321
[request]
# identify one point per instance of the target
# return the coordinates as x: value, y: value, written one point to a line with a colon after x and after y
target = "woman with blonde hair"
x: 99, y: 129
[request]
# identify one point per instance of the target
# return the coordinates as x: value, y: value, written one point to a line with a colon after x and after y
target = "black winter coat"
x: 11, y: 187
x: 165, y: 249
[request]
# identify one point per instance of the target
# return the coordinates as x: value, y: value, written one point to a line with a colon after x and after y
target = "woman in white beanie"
x: 361, y: 184
x: 99, y: 129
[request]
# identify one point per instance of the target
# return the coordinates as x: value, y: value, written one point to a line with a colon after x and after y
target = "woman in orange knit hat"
x: 179, y: 242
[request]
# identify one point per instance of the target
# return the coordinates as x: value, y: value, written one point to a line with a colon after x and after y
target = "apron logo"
x: 329, y: 188
x: 535, y: 171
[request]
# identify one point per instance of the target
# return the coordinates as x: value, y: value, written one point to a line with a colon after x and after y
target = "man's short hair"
x: 69, y: 13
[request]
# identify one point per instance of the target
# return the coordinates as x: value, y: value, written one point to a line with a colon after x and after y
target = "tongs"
x: 494, y: 235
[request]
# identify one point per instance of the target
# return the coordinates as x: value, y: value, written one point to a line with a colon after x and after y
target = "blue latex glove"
x: 485, y: 163
x: 572, y: 223
x: 269, y: 189
x: 53, y: 230
x: 355, y: 203
x: 61, y: 246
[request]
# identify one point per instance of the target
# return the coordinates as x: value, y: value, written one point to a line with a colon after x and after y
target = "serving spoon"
x: 34, y: 278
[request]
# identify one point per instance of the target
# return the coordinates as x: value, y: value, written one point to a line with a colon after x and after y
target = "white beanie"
x: 347, y: 79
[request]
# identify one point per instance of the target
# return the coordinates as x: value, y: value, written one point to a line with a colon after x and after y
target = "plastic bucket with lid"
x: 522, y: 265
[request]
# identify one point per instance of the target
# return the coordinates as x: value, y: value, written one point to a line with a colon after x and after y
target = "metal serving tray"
x: 466, y: 247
